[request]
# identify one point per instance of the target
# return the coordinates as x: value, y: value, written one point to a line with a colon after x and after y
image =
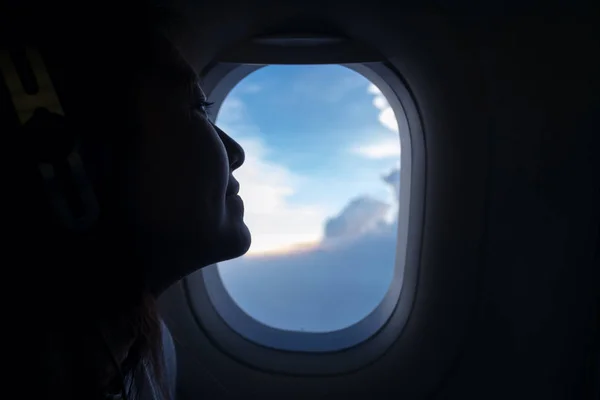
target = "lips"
x: 233, y: 188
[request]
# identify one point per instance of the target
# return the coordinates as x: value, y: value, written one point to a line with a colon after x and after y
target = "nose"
x: 235, y: 152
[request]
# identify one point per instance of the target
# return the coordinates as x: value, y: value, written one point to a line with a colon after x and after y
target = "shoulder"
x: 145, y: 385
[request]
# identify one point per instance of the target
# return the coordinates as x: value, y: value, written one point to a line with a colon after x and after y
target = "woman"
x: 168, y: 205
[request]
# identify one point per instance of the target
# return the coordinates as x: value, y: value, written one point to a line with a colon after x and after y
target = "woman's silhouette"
x: 161, y: 172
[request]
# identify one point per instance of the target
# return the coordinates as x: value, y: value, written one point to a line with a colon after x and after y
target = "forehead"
x: 175, y: 73
x: 169, y: 65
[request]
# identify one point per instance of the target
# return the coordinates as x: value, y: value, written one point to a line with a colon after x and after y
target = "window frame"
x: 249, y: 341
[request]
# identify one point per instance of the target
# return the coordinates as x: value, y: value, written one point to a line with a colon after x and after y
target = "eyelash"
x: 204, y: 106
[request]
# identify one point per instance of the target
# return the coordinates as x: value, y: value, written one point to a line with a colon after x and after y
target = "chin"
x: 235, y: 242
x: 234, y: 239
x: 184, y: 255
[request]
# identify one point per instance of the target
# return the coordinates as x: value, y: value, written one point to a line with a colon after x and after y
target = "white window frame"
x: 260, y: 346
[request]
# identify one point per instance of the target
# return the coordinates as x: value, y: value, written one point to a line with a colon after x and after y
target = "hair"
x: 88, y: 284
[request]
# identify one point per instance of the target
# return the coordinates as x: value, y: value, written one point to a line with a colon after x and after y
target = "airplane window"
x: 320, y: 184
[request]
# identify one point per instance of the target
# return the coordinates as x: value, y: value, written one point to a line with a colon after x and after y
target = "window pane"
x: 320, y: 186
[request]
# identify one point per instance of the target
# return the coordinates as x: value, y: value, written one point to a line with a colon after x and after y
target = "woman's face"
x: 184, y: 194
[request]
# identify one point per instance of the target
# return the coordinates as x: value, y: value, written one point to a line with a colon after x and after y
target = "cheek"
x: 182, y: 174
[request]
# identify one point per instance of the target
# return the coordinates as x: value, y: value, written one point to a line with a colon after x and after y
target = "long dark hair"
x: 86, y: 287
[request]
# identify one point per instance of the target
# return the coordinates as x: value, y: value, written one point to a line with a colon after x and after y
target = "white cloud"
x: 266, y: 187
x: 314, y: 84
x: 232, y: 113
x: 386, y: 114
x: 392, y: 178
x: 384, y: 149
x: 335, y: 282
x: 327, y: 287
x: 277, y: 224
x: 360, y: 215
x: 388, y: 147
x: 318, y: 290
x: 250, y: 88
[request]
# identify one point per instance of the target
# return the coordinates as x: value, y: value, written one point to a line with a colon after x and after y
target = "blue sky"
x: 320, y: 187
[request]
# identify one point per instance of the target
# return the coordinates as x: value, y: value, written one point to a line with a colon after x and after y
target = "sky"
x: 320, y: 186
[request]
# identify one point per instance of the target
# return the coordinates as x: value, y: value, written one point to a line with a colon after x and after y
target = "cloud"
x: 386, y: 114
x: 327, y: 287
x: 392, y: 178
x: 266, y: 187
x: 275, y: 223
x: 320, y: 290
x: 315, y: 84
x: 232, y: 113
x: 387, y: 148
x: 346, y: 271
x: 364, y: 214
x: 250, y: 88
x: 360, y: 215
